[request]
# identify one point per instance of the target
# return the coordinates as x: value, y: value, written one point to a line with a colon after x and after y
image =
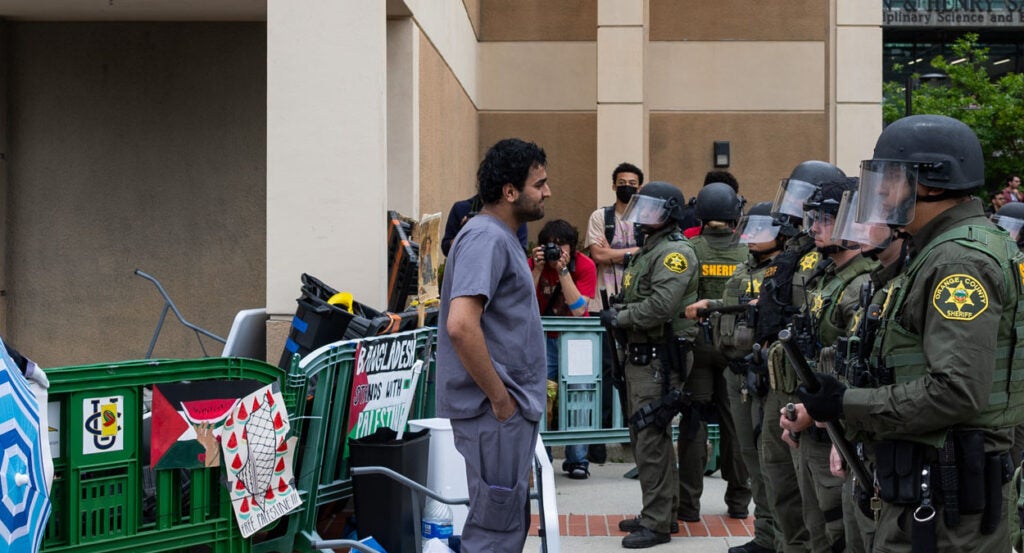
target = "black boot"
x: 644, y: 537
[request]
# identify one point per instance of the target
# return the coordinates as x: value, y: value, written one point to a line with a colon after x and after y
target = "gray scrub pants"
x: 498, y: 456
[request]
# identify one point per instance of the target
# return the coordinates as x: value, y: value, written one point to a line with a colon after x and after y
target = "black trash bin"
x: 384, y: 507
x: 317, y: 323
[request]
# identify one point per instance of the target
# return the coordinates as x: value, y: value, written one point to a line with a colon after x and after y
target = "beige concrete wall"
x: 736, y: 76
x: 450, y: 29
x: 448, y: 136
x: 403, y: 69
x: 133, y: 145
x: 548, y: 76
x: 326, y: 150
x: 789, y: 20
x: 764, y: 147
x: 858, y: 90
x: 570, y: 142
x: 538, y: 20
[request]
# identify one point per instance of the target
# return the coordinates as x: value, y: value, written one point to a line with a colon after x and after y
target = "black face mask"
x: 624, y: 193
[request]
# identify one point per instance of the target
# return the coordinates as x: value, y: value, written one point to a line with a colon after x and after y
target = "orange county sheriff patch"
x: 960, y: 298
x: 808, y: 261
x: 675, y: 262
x: 1020, y: 269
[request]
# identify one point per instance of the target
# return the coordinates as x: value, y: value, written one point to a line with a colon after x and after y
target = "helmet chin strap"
x: 761, y: 256
x: 831, y: 249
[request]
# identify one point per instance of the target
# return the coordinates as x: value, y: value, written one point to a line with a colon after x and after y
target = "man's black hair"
x: 508, y: 161
x: 559, y: 231
x: 722, y: 176
x: 627, y: 168
x: 1010, y: 178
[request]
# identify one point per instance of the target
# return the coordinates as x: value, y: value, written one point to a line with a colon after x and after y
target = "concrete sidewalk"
x: 589, y: 511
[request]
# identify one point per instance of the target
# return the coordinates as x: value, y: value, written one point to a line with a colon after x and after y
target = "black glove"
x: 827, y: 403
x: 609, y: 318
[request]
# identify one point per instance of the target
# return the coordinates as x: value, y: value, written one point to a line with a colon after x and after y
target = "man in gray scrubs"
x: 491, y: 365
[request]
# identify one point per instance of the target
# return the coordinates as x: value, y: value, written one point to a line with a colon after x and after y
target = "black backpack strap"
x: 609, y: 224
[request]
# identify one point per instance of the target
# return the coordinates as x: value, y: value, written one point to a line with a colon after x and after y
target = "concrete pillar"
x: 403, y: 117
x: 326, y: 151
x: 857, y: 67
x: 622, y: 119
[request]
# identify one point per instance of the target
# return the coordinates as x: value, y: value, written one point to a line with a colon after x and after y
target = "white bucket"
x: 446, y: 469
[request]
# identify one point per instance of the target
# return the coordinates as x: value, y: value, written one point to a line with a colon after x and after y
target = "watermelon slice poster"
x: 187, y: 419
x: 258, y: 456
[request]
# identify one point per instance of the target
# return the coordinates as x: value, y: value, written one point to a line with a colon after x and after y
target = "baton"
x: 835, y: 430
x: 739, y: 308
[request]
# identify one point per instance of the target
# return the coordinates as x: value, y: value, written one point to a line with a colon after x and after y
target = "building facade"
x: 228, y: 149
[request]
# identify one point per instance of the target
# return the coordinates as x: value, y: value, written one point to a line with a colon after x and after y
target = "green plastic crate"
x: 97, y: 497
x: 714, y: 447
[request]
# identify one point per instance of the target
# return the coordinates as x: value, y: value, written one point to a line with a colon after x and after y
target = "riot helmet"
x: 801, y: 184
x: 757, y: 226
x: 850, y: 234
x: 654, y: 204
x: 933, y: 150
x: 820, y: 212
x: 717, y: 201
x: 1010, y: 218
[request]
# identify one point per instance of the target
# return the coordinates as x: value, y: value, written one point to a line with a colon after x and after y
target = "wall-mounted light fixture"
x: 721, y: 153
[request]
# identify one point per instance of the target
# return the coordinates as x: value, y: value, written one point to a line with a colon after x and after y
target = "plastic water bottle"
x: 437, y: 522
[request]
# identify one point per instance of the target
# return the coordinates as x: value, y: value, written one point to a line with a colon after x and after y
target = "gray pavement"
x: 607, y: 492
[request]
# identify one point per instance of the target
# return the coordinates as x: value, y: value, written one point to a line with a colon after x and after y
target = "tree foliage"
x: 993, y: 109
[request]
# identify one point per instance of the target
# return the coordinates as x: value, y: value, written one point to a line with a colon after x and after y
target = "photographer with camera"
x: 565, y: 280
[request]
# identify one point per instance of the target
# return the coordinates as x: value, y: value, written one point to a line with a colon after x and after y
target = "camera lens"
x: 552, y: 252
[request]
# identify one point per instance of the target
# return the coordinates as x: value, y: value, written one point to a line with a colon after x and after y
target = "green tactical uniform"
x: 832, y: 304
x: 946, y: 344
x: 706, y: 383
x: 858, y: 526
x: 735, y: 338
x: 777, y: 463
x: 660, y: 280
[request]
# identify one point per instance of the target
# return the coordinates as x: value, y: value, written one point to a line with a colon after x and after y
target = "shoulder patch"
x: 808, y: 261
x: 675, y: 262
x: 1020, y: 269
x: 960, y: 298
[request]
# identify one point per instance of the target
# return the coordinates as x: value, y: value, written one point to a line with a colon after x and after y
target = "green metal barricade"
x: 97, y: 496
x: 324, y: 380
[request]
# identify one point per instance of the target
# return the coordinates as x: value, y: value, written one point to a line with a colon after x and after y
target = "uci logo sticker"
x: 960, y: 298
x: 808, y: 261
x: 675, y: 262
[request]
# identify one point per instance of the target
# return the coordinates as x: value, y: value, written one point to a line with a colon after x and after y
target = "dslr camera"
x: 552, y: 252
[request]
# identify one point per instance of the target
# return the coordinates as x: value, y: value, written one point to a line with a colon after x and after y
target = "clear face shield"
x: 887, y: 192
x: 755, y: 229
x: 645, y: 210
x: 819, y: 223
x: 850, y: 234
x: 790, y: 198
x: 1009, y: 224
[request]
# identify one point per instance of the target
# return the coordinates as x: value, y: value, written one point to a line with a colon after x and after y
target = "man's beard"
x: 526, y: 213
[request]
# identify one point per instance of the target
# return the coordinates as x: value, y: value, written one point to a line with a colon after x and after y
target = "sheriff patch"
x: 753, y: 287
x: 716, y: 270
x: 675, y: 262
x: 808, y: 261
x: 960, y: 298
x: 1020, y: 269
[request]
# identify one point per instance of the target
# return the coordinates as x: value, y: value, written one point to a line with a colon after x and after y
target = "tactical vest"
x: 716, y: 265
x: 639, y: 268
x: 901, y: 351
x: 732, y: 334
x: 777, y: 301
x: 826, y: 297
